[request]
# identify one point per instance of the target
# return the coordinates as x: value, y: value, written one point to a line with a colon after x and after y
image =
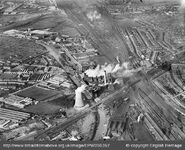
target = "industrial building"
x: 57, y: 80
x: 3, y: 123
x: 17, y: 101
x: 84, y: 55
x: 102, y: 75
x: 13, y: 115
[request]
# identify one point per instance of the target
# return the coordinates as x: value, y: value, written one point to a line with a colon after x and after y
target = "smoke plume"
x: 93, y: 15
x: 116, y: 70
x: 84, y: 4
x: 80, y: 89
x: 182, y: 3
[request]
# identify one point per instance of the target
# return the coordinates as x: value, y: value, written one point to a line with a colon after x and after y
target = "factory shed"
x: 13, y: 115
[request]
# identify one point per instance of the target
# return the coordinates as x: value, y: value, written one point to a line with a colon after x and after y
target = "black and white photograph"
x: 102, y: 71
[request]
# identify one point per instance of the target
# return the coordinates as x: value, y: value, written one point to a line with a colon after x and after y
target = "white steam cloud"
x: 84, y: 4
x: 100, y: 70
x: 93, y: 15
x: 117, y: 70
x: 80, y: 89
x: 183, y: 3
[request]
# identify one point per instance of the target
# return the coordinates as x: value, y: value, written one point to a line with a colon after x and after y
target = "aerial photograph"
x: 92, y: 70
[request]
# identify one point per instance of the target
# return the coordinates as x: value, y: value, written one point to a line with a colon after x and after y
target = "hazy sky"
x: 161, y: 0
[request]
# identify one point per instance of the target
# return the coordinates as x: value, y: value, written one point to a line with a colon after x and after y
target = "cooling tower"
x: 78, y: 97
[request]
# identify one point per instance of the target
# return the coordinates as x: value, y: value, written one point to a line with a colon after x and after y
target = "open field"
x: 65, y: 101
x: 52, y: 106
x: 55, y: 21
x: 19, y: 49
x: 43, y: 108
x: 36, y: 93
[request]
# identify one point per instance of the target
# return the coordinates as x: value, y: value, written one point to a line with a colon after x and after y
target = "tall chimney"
x: 78, y: 96
x: 105, y: 78
x: 184, y: 18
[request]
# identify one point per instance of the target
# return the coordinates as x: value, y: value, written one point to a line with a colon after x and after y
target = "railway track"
x: 94, y: 38
x: 80, y: 115
x: 159, y: 118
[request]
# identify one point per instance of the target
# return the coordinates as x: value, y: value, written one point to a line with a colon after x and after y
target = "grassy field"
x: 19, y: 49
x: 65, y: 101
x: 52, y: 106
x: 55, y: 21
x: 37, y: 93
x: 43, y: 108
